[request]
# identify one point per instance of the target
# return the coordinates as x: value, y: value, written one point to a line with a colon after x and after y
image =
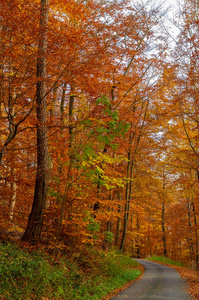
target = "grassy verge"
x: 165, y: 260
x: 35, y: 276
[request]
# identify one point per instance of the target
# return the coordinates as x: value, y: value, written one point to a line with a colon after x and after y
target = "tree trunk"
x: 128, y: 200
x: 71, y: 119
x: 130, y: 174
x: 52, y: 107
x: 190, y: 239
x: 62, y: 102
x: 109, y: 225
x: 137, y: 246
x: 35, y: 222
x: 118, y: 228
x: 163, y: 215
x: 163, y: 230
x: 109, y: 222
x: 196, y: 236
x: 13, y: 186
x: 96, y: 206
x: 70, y: 178
x: 1, y: 88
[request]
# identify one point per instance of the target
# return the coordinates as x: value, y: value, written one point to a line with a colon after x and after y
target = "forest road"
x: 158, y: 283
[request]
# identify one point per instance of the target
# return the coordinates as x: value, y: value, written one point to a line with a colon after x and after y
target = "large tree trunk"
x: 35, y: 222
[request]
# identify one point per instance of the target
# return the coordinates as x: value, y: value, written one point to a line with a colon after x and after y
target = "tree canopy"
x: 99, y: 119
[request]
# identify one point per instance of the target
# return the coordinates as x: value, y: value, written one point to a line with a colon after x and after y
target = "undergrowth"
x: 165, y: 260
x: 34, y: 276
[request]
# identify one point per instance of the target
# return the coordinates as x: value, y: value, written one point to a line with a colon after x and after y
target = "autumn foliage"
x: 99, y: 127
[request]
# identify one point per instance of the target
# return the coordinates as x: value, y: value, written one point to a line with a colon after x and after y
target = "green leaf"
x: 60, y: 289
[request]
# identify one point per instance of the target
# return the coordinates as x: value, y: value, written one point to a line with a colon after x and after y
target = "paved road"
x: 158, y: 283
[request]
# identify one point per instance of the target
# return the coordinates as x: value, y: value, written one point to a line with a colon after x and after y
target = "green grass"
x: 165, y: 260
x: 34, y: 276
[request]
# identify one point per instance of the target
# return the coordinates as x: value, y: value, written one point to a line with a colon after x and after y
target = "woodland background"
x: 99, y: 119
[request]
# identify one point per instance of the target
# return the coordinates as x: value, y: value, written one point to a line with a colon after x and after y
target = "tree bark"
x: 13, y: 187
x: 35, y: 222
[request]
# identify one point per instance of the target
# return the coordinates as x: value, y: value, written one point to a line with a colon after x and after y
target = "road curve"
x: 158, y: 283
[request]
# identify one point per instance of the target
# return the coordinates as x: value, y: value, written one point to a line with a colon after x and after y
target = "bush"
x: 26, y: 276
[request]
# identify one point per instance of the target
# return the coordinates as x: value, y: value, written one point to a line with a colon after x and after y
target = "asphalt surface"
x: 158, y: 283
